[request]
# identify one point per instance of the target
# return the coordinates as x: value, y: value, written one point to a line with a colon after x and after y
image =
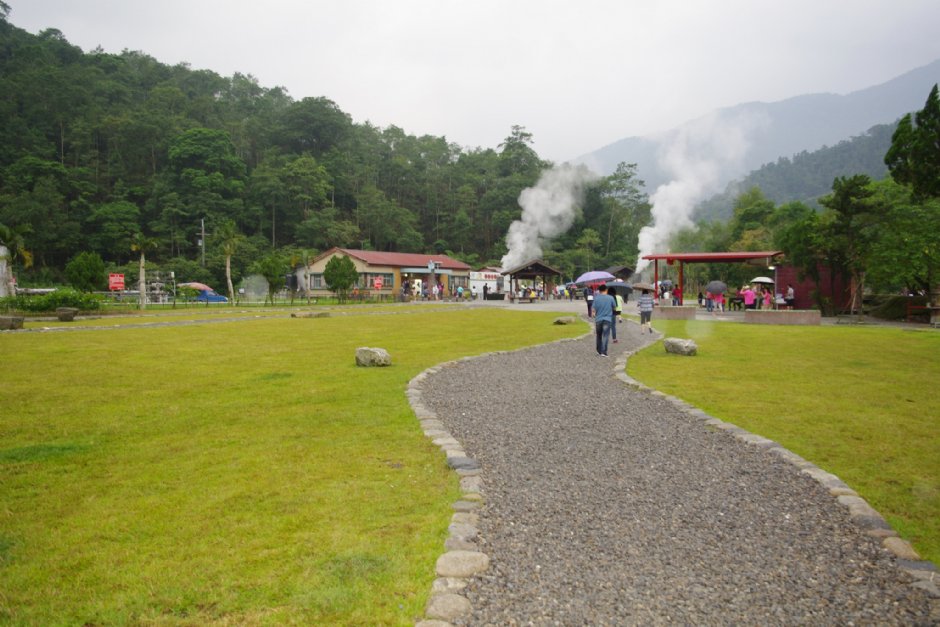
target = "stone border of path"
x: 924, y: 573
x: 463, y: 560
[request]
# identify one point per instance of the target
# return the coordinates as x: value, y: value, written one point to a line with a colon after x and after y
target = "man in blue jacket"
x: 603, y: 318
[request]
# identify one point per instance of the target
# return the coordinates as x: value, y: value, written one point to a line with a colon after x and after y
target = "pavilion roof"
x: 730, y: 257
x: 533, y: 268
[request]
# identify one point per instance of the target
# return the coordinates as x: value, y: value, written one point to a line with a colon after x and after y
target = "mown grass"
x: 112, y: 318
x: 860, y: 402
x: 237, y: 473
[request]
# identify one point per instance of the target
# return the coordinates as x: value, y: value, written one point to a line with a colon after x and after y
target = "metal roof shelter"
x: 533, y: 269
x: 756, y: 258
x: 621, y: 272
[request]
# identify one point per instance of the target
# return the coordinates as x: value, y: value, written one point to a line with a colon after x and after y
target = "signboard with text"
x: 115, y: 282
x: 377, y: 283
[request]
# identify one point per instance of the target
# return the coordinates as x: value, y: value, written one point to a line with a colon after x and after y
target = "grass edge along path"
x: 242, y: 473
x: 857, y: 402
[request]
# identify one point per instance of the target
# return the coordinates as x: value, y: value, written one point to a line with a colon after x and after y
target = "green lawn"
x: 235, y: 473
x: 860, y: 402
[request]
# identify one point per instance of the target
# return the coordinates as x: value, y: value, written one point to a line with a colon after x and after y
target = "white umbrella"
x: 762, y: 279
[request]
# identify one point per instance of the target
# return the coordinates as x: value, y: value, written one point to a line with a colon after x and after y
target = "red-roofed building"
x: 383, y: 273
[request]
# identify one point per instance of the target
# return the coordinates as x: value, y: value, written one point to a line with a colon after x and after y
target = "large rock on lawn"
x: 366, y: 356
x: 679, y: 346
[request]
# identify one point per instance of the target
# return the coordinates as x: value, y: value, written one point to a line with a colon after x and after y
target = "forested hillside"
x: 808, y: 175
x: 98, y: 149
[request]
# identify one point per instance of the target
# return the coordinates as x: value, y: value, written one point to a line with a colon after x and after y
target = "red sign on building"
x: 377, y: 283
x: 115, y: 282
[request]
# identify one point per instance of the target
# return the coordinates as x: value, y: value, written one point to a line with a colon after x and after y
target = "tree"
x: 587, y: 244
x: 850, y: 222
x: 340, y: 274
x: 906, y: 251
x: 627, y: 207
x: 325, y: 229
x: 86, y: 272
x: 914, y: 156
x: 914, y: 160
x: 113, y: 227
x: 517, y: 156
x: 229, y: 239
x: 142, y: 244
x: 751, y: 210
x: 272, y: 267
x: 204, y: 179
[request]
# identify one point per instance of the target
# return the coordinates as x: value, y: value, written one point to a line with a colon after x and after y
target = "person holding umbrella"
x: 618, y: 311
x: 589, y: 299
x: 603, y: 318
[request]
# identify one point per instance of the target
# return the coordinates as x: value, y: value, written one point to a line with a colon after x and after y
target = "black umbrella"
x: 620, y: 287
x: 716, y: 287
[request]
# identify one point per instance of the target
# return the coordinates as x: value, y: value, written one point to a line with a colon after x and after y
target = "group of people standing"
x: 747, y: 297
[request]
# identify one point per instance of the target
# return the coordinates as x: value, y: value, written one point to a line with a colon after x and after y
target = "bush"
x: 895, y: 307
x: 86, y: 272
x: 52, y: 301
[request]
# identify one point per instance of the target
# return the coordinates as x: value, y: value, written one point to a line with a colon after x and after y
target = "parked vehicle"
x: 210, y: 296
x: 204, y: 293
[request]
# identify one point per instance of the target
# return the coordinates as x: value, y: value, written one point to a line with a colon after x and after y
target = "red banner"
x: 115, y: 282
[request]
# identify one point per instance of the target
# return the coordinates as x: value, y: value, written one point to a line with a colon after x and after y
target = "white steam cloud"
x: 548, y: 210
x: 694, y: 158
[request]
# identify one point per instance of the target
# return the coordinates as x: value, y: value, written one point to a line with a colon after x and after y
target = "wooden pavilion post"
x: 656, y: 280
x: 681, y: 286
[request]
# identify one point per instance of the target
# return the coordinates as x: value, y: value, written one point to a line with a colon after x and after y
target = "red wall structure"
x: 837, y: 289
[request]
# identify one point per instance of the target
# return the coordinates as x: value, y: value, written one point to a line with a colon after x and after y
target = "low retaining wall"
x: 783, y: 316
x: 668, y: 312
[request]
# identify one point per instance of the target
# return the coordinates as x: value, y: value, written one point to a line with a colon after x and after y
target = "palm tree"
x: 12, y: 246
x: 142, y: 244
x: 229, y: 240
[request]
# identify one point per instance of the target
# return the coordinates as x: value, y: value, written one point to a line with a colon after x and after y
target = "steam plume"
x: 694, y: 159
x: 548, y: 210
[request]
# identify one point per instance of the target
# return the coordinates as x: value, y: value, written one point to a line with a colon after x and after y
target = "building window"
x: 367, y: 280
x: 316, y: 282
x: 460, y: 281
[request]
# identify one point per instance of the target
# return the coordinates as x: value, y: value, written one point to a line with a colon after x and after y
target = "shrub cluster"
x: 51, y: 301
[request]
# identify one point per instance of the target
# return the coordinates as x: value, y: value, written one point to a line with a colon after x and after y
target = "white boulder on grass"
x: 367, y: 357
x: 679, y: 346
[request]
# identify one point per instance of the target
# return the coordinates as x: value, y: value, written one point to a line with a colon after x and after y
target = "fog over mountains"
x: 730, y: 142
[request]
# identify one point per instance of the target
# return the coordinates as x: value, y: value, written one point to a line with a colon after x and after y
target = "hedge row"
x: 50, y: 302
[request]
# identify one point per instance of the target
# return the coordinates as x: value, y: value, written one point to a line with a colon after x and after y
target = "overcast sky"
x: 578, y: 74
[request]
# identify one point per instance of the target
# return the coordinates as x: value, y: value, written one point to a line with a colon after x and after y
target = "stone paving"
x: 465, y: 570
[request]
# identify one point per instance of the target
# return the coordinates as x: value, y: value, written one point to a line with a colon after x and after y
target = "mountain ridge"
x: 791, y: 126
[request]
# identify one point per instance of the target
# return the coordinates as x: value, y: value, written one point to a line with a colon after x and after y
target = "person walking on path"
x: 645, y: 304
x: 603, y: 318
x: 618, y: 311
x: 589, y: 299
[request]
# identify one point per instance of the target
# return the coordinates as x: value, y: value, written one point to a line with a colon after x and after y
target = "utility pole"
x: 202, y: 241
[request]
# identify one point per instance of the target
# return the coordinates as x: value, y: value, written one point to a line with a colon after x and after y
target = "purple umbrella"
x: 594, y: 276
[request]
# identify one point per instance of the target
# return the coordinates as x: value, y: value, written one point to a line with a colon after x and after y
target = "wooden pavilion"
x: 758, y: 258
x: 532, y: 270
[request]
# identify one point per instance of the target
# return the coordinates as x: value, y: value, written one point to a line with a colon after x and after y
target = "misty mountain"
x: 808, y: 175
x: 741, y: 138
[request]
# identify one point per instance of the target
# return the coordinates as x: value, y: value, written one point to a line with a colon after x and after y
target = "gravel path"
x: 606, y: 505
